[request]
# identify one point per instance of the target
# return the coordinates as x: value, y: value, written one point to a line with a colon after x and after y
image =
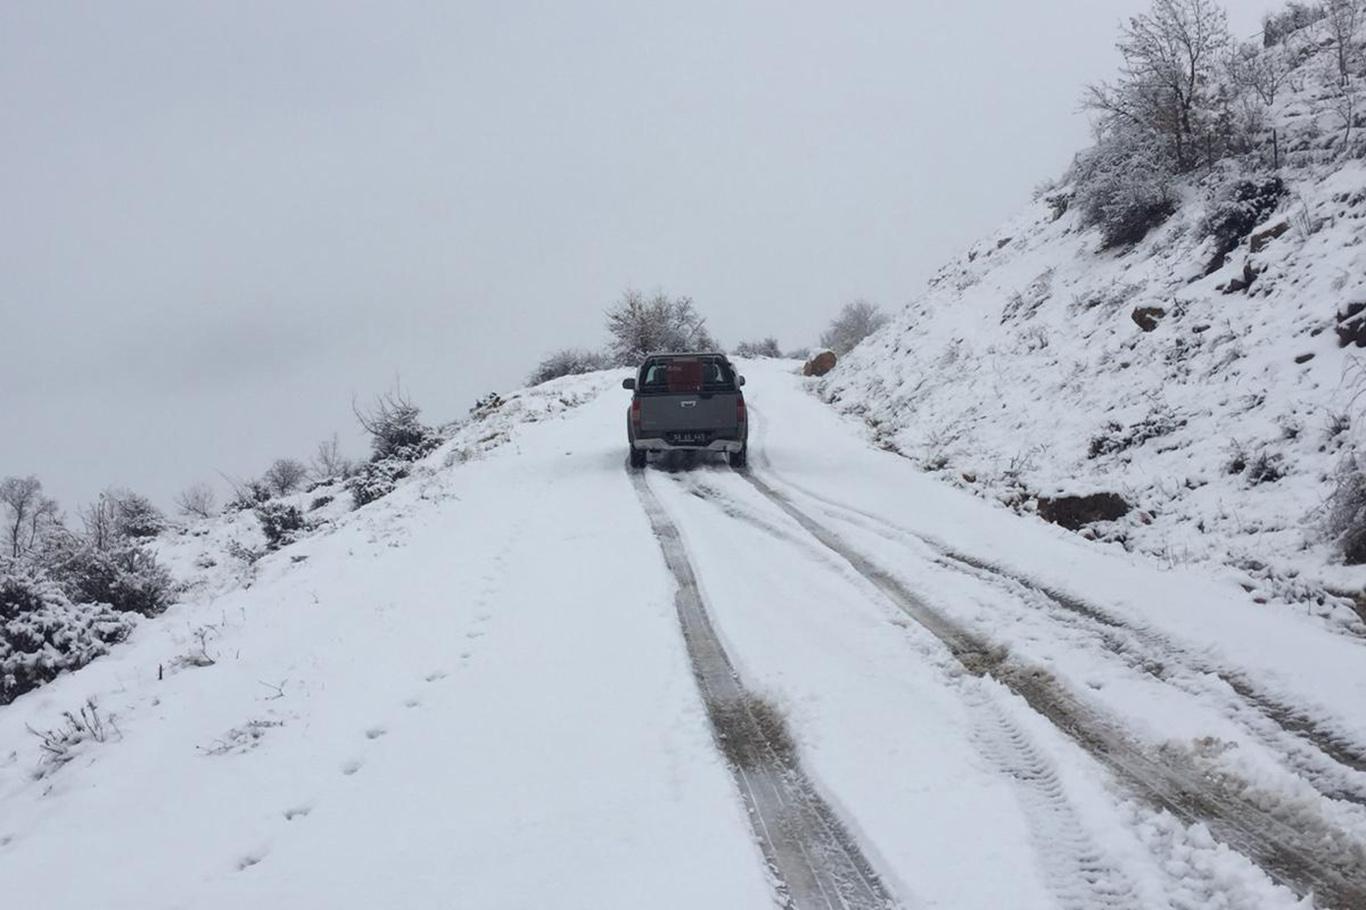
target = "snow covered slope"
x: 475, y: 692
x: 1037, y: 364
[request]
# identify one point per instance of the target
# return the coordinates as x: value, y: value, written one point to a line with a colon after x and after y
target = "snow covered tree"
x: 1168, y: 85
x: 394, y: 428
x: 284, y: 476
x: 28, y: 514
x: 854, y: 323
x: 1342, y: 19
x: 119, y: 516
x: 640, y: 325
x: 1123, y: 185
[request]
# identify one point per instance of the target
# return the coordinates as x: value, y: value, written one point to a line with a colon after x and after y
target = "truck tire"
x: 638, y: 457
x: 739, y: 459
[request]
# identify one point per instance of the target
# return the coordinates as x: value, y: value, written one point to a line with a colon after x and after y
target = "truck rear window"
x: 687, y: 376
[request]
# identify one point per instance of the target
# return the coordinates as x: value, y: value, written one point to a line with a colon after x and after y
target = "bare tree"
x: 1262, y: 71
x: 1342, y: 19
x: 854, y: 323
x: 640, y: 325
x: 28, y: 514
x: 197, y: 501
x: 328, y: 461
x: 1167, y: 84
x: 285, y: 476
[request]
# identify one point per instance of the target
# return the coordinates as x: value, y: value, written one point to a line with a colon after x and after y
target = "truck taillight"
x: 740, y: 410
x: 635, y: 411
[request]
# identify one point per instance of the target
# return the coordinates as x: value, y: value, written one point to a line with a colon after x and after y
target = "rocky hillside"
x: 1207, y: 378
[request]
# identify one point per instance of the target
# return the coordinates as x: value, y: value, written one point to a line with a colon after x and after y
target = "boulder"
x: 1147, y: 317
x: 819, y: 365
x: 1075, y: 512
x: 1351, y: 327
x: 1259, y: 240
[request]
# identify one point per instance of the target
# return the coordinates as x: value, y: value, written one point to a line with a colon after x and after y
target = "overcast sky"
x: 221, y: 220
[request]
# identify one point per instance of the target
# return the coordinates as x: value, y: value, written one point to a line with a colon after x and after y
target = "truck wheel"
x: 638, y: 457
x: 739, y: 459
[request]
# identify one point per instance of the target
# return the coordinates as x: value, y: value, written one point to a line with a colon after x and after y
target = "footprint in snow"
x: 250, y: 859
x: 351, y: 767
x: 412, y: 703
x: 375, y: 732
x: 299, y: 811
x: 435, y: 675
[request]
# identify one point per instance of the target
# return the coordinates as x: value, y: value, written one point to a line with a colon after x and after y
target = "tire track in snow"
x: 815, y: 862
x: 1327, y: 759
x: 1303, y: 851
x: 1076, y: 871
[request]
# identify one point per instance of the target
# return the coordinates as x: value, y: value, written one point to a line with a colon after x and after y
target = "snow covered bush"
x: 1345, y: 520
x: 1123, y: 186
x: 768, y: 347
x: 43, y: 633
x: 855, y: 322
x: 248, y: 495
x: 279, y: 523
x: 376, y: 479
x: 125, y: 576
x: 567, y: 362
x: 638, y: 325
x: 1236, y: 208
x: 394, y: 428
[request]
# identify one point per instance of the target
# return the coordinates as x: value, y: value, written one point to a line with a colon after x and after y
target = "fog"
x: 222, y: 221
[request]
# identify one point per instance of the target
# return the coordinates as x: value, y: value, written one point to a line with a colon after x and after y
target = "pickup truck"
x: 689, y: 402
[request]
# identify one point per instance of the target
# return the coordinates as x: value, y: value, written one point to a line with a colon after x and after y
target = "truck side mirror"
x: 740, y: 380
x: 628, y: 383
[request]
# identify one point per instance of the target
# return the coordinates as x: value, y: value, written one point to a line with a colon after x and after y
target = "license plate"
x: 690, y: 437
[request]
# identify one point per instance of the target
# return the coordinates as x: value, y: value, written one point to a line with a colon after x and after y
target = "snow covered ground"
x: 1039, y: 364
x: 475, y: 693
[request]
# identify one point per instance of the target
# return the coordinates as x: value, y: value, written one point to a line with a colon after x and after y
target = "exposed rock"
x: 1147, y: 317
x: 819, y: 365
x: 1304, y: 358
x: 1261, y: 239
x: 1243, y: 283
x: 1075, y: 512
x: 1351, y: 327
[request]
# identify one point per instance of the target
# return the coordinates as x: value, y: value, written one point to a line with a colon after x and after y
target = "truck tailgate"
x: 682, y: 412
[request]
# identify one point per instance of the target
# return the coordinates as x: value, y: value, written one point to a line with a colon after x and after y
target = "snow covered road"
x: 477, y: 693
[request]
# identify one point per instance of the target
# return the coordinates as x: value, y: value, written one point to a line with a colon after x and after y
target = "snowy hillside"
x: 1220, y: 402
x: 532, y: 677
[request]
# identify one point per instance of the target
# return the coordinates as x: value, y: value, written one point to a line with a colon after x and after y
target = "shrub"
x: 376, y: 479
x: 765, y: 348
x: 280, y: 523
x: 126, y: 576
x: 1345, y: 519
x: 248, y: 495
x: 1123, y: 186
x: 567, y: 362
x: 1235, y: 209
x: 43, y: 633
x: 196, y: 501
x: 394, y: 428
x: 854, y: 323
